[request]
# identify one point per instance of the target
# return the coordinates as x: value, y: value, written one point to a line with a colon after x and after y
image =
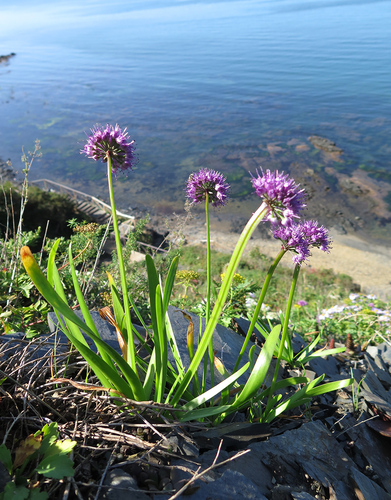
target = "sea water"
x: 229, y: 85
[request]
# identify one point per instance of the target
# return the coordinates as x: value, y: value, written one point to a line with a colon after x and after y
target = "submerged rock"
x: 324, y: 144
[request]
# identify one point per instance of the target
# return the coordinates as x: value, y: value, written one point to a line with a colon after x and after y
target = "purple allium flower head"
x: 302, y: 236
x: 114, y: 142
x: 317, y: 236
x: 209, y: 182
x: 302, y: 303
x: 281, y: 194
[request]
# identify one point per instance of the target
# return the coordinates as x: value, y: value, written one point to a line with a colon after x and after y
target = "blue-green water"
x: 230, y: 85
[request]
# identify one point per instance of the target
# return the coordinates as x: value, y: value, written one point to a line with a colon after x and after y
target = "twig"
x: 99, y: 253
x: 44, y: 241
x: 33, y: 395
x: 213, y: 466
x: 109, y: 461
x: 355, y: 425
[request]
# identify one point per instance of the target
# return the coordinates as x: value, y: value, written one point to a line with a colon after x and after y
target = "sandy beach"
x: 369, y: 265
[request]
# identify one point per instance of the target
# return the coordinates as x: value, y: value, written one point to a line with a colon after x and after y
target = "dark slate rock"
x: 301, y: 495
x: 106, y: 331
x: 39, y: 348
x: 375, y: 401
x: 121, y: 486
x: 237, y: 435
x: 311, y: 449
x: 230, y: 486
x: 252, y: 467
x: 377, y: 366
x: 372, y: 384
x: 375, y: 449
x: 383, y: 350
x: 178, y: 445
x: 367, y: 487
x: 328, y: 366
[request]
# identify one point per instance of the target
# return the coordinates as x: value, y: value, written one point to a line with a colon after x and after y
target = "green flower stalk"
x: 111, y: 145
x: 209, y: 186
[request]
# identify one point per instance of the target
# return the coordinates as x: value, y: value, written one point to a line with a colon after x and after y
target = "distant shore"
x: 369, y: 265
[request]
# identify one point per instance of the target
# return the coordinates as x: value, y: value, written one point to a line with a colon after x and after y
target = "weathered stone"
x: 327, y: 366
x: 180, y: 446
x: 234, y: 435
x: 39, y: 349
x: 377, y: 366
x: 311, y: 449
x: 324, y: 144
x: 302, y: 495
x: 230, y: 486
x: 121, y: 486
x: 368, y: 489
x: 372, y: 384
x: 375, y: 449
x: 375, y: 401
x: 106, y: 331
x: 252, y: 467
x: 383, y: 350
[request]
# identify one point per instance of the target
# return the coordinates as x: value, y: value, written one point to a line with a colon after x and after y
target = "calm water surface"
x: 229, y: 85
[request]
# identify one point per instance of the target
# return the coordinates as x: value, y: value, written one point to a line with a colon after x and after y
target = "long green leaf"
x: 79, y: 295
x: 150, y: 375
x: 211, y: 393
x: 330, y: 386
x: 55, y: 280
x: 83, y: 307
x: 49, y: 293
x: 322, y: 353
x: 160, y: 340
x: 169, y: 283
x: 281, y: 384
x: 174, y: 348
x: 119, y: 313
x: 153, y: 282
x: 260, y: 369
x: 204, y: 413
x: 58, y: 304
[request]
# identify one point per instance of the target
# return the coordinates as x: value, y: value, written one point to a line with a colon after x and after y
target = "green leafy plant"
x: 364, y: 317
x: 154, y: 377
x: 40, y: 454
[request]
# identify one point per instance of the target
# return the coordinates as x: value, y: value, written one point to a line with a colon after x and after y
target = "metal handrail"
x: 100, y: 203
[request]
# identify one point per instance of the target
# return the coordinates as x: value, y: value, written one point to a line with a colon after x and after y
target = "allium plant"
x: 137, y: 378
x: 208, y: 186
x: 111, y: 142
x: 281, y: 194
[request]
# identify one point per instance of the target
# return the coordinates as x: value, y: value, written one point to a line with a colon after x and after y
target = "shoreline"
x: 369, y: 265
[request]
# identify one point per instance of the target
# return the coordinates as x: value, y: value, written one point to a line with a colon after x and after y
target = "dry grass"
x: 111, y: 432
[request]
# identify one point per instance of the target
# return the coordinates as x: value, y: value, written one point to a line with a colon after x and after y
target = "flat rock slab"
x: 310, y: 452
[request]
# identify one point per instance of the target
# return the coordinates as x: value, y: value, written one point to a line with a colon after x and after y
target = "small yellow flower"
x: 86, y: 228
x: 106, y: 299
x: 237, y: 279
x: 187, y: 276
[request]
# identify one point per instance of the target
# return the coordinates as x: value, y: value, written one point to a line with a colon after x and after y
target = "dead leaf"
x: 26, y: 448
x: 106, y: 314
